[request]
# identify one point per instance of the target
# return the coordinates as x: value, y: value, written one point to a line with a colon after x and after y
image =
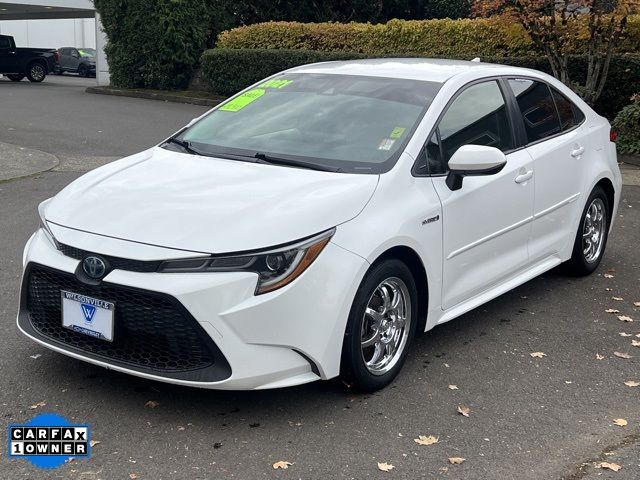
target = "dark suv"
x: 77, y: 60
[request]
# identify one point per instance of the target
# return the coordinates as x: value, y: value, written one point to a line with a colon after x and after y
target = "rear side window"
x: 5, y: 43
x: 570, y: 115
x: 477, y: 116
x: 537, y: 108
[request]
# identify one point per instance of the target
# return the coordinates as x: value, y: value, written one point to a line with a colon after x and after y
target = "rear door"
x: 486, y: 224
x: 8, y: 56
x: 553, y: 129
x: 74, y: 59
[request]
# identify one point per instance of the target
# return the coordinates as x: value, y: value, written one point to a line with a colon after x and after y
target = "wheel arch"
x: 412, y: 260
x: 607, y: 185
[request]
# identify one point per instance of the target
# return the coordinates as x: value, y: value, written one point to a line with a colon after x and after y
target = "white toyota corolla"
x: 313, y: 224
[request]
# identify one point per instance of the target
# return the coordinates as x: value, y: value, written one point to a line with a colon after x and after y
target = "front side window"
x: 478, y: 116
x: 537, y: 108
x: 5, y: 43
x: 349, y: 123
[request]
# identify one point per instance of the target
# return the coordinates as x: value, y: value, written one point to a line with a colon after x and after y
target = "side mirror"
x: 473, y: 160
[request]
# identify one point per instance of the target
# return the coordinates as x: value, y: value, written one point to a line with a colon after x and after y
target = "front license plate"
x: 87, y: 315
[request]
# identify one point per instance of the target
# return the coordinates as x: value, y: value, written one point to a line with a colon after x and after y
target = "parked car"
x: 33, y: 63
x: 77, y: 60
x: 313, y: 224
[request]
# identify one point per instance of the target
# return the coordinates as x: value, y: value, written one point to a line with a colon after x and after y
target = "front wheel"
x: 36, y: 72
x: 82, y: 70
x: 591, y: 238
x: 382, y: 323
x: 15, y: 78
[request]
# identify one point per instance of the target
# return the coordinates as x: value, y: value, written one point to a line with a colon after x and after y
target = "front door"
x: 8, y: 56
x: 487, y: 223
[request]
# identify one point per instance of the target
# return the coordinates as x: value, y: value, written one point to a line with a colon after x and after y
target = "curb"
x: 630, y: 159
x: 154, y: 95
x: 20, y: 162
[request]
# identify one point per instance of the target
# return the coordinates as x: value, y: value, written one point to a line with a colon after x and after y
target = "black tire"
x: 580, y: 263
x: 36, y: 72
x: 15, y: 78
x: 354, y: 369
x: 82, y: 70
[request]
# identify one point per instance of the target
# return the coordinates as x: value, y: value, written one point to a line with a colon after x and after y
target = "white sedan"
x: 313, y: 224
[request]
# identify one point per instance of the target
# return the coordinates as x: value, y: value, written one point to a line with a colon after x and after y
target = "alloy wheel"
x: 385, y: 326
x: 594, y: 230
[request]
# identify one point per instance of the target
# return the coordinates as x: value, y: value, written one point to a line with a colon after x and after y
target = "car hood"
x: 209, y: 205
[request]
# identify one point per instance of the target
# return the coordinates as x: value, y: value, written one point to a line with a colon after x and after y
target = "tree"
x: 557, y: 26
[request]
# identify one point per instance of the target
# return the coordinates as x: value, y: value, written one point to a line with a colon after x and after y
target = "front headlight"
x: 43, y: 222
x: 275, y: 268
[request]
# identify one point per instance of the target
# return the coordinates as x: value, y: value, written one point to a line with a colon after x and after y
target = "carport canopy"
x: 46, y: 9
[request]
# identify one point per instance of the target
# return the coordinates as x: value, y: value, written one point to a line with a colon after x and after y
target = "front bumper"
x: 287, y: 337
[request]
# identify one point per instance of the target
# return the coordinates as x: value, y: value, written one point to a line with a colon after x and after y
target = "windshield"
x: 346, y: 123
x: 87, y: 52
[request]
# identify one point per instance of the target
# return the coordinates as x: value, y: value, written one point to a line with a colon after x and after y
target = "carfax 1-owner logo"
x: 48, y: 441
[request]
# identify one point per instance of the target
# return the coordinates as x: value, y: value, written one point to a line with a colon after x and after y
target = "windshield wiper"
x: 268, y: 159
x: 184, y: 144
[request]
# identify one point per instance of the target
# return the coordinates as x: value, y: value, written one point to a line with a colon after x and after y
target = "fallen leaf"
x: 39, y: 404
x: 623, y: 334
x: 621, y: 422
x: 617, y: 299
x: 638, y: 335
x: 635, y: 343
x: 181, y: 428
x: 36, y: 356
x: 622, y: 355
x: 282, y: 464
x: 612, y: 310
x: 637, y: 304
x: 608, y: 289
x: 611, y: 466
x: 133, y: 476
x: 599, y: 357
x: 462, y: 410
x: 625, y: 318
x: 456, y: 460
x: 93, y: 443
x: 608, y: 275
x: 444, y: 469
x: 632, y: 383
x: 385, y: 467
x: 538, y: 354
x: 426, y: 440
x: 152, y: 404
x: 453, y: 387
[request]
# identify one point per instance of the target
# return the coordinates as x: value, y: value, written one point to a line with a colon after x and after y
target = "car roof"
x: 427, y: 69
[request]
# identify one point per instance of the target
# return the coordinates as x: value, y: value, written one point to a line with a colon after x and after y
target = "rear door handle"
x: 577, y: 152
x: 524, y: 177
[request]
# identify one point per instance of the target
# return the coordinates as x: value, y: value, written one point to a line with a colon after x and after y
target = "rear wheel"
x: 82, y: 70
x: 381, y: 326
x: 36, y: 72
x: 15, y: 78
x: 591, y: 238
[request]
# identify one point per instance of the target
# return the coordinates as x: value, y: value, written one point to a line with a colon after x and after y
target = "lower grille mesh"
x: 152, y: 331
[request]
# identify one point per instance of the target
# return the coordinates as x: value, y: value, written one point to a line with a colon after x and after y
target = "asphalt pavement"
x: 530, y: 418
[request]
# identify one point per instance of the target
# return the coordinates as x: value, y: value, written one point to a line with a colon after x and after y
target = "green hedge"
x: 434, y: 38
x: 627, y: 124
x: 153, y: 43
x: 230, y: 70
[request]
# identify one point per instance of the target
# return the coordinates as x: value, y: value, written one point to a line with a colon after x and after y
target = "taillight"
x: 56, y: 56
x: 613, y: 135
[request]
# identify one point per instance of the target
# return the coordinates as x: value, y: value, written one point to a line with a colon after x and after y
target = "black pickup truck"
x: 33, y: 63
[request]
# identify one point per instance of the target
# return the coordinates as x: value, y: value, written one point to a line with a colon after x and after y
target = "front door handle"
x: 524, y: 177
x: 577, y: 152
